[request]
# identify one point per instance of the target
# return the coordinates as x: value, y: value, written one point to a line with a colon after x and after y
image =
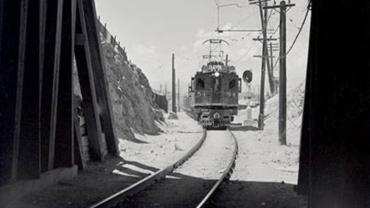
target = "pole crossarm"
x: 238, y: 30
x: 267, y: 39
x: 260, y: 56
x: 278, y: 6
x: 258, y: 1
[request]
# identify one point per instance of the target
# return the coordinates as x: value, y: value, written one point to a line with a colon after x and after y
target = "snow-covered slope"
x: 261, y: 154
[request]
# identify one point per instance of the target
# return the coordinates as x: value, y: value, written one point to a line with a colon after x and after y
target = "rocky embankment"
x: 134, y: 109
x: 131, y: 95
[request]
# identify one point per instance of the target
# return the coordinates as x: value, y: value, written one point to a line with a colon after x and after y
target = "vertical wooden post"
x: 64, y: 130
x: 282, y: 75
x: 334, y: 157
x: 87, y: 83
x: 173, y: 85
x: 178, y: 95
x: 29, y: 166
x: 263, y: 70
x: 50, y: 81
x: 98, y: 68
x: 13, y: 20
x: 272, y: 61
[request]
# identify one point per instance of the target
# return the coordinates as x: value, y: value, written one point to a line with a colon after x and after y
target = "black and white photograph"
x: 184, y: 104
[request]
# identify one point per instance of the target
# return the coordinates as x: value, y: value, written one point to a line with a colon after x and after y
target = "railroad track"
x: 225, y: 175
x: 121, y: 198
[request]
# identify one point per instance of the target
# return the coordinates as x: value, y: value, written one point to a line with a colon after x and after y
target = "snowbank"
x: 264, y: 159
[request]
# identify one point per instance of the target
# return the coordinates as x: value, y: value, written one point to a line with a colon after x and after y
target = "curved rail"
x: 225, y: 175
x: 116, y: 198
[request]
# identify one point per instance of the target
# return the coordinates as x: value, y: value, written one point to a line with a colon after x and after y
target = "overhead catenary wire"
x: 300, y: 30
x: 296, y: 37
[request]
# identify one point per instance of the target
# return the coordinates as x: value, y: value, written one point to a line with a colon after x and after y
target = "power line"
x: 296, y: 37
x: 300, y: 30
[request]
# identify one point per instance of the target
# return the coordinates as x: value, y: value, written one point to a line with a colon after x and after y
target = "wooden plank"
x: 1, y: 22
x: 21, y: 61
x: 64, y: 145
x: 87, y: 83
x: 12, y: 49
x: 29, y: 148
x: 103, y: 95
x: 334, y: 162
x: 50, y: 79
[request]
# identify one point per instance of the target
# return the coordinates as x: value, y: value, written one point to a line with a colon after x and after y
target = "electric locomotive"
x: 214, y: 90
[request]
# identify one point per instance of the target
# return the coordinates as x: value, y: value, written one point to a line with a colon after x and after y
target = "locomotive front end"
x: 215, y: 96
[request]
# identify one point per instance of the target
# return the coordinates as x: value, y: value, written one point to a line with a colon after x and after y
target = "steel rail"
x: 118, y: 197
x: 226, y: 174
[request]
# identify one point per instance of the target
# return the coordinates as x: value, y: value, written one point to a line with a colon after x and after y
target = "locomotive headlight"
x: 217, y: 74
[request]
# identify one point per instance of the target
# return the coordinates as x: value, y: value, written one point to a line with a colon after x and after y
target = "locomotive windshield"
x: 200, y: 84
x: 232, y: 84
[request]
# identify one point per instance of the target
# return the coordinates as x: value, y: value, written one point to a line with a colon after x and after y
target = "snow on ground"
x: 141, y: 157
x: 211, y: 159
x: 264, y: 159
x: 265, y: 171
x: 189, y: 183
x: 161, y: 150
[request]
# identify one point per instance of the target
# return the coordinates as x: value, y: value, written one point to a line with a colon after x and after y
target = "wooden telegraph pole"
x: 263, y: 15
x: 269, y: 58
x: 178, y: 95
x: 273, y: 47
x: 263, y: 71
x: 173, y: 85
x: 282, y: 73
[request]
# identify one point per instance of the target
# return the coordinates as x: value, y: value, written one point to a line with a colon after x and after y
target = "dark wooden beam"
x: 102, y: 90
x: 13, y: 24
x: 334, y: 158
x: 88, y: 89
x: 29, y: 148
x: 64, y: 145
x: 50, y: 79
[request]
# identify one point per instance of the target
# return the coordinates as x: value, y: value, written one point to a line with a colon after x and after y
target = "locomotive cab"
x: 214, y: 90
x: 215, y: 95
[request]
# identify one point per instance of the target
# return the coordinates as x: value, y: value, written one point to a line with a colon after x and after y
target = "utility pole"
x: 272, y: 49
x: 173, y: 85
x: 270, y: 67
x: 263, y: 71
x: 178, y: 95
x: 282, y: 71
x: 165, y: 90
x: 271, y: 59
x: 268, y: 62
x: 264, y: 51
x: 282, y: 75
x: 263, y: 15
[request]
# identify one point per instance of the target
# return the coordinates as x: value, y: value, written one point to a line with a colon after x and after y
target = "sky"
x: 152, y: 30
